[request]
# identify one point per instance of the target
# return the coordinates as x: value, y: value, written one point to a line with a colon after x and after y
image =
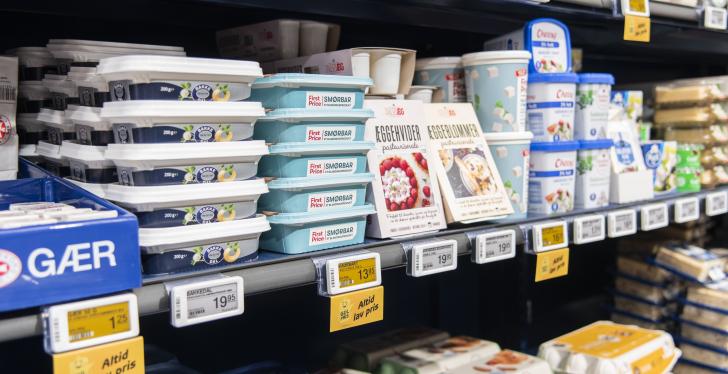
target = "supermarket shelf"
x: 275, y: 272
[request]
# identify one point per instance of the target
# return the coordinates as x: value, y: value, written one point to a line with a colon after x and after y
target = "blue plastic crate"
x: 48, y: 264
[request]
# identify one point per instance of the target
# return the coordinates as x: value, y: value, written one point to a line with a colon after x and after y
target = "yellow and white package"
x: 715, y: 296
x: 691, y: 261
x: 505, y: 361
x: 694, y: 94
x: 643, y: 290
x: 704, y: 335
x: 643, y: 308
x: 607, y: 347
x: 695, y: 116
x: 714, y: 358
x: 640, y: 269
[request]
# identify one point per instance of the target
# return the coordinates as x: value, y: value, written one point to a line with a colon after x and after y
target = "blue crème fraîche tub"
x: 311, y: 91
x: 300, y: 195
x: 182, y: 248
x: 293, y: 233
x: 313, y: 125
x: 295, y: 160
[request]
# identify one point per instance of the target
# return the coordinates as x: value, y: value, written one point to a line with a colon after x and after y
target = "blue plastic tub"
x: 313, y: 126
x: 299, y: 195
x: 311, y: 91
x: 293, y: 160
x: 293, y: 233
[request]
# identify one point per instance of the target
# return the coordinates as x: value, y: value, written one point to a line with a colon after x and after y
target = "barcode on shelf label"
x: 495, y: 246
x: 550, y: 235
x: 206, y: 300
x: 687, y: 209
x: 621, y: 223
x: 716, y: 203
x: 7, y: 93
x: 354, y: 272
x: 715, y: 18
x: 654, y: 216
x: 589, y: 229
x: 433, y: 257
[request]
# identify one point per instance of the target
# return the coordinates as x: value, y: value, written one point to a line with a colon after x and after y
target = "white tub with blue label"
x: 444, y: 72
x: 178, y: 249
x: 58, y: 126
x: 313, y: 126
x: 293, y: 160
x: 593, y: 171
x: 166, y: 121
x: 592, y: 106
x: 310, y: 91
x: 299, y: 195
x: 547, y: 39
x: 186, y: 163
x: 144, y: 77
x: 552, y: 177
x: 90, y: 128
x: 511, y: 153
x: 88, y: 163
x: 496, y: 85
x: 63, y: 91
x: 550, y: 106
x: 293, y: 233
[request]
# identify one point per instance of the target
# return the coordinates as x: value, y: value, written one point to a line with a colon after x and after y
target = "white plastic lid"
x: 90, y: 116
x: 33, y: 90
x: 32, y: 56
x: 60, y: 84
x: 148, y: 112
x: 88, y: 78
x: 55, y: 118
x: 503, y: 137
x: 186, y: 236
x: 143, y: 69
x: 80, y: 53
x: 88, y: 154
x: 98, y: 189
x: 49, y: 150
x: 114, y: 44
x: 450, y: 62
x: 496, y: 57
x: 148, y: 198
x: 150, y: 156
x: 27, y: 150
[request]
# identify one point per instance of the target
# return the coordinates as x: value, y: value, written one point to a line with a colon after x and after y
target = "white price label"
x: 495, y: 246
x: 206, y: 300
x: 639, y: 8
x: 654, y: 216
x: 433, y: 257
x: 589, y: 229
x: 715, y: 18
x: 354, y: 272
x: 550, y: 235
x: 716, y: 203
x: 621, y: 223
x: 687, y: 209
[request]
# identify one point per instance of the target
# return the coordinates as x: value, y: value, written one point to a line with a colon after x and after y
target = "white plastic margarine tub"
x: 186, y: 163
x: 52, y: 160
x: 166, y: 121
x: 175, y: 249
x: 142, y: 77
x: 58, y: 126
x: 88, y: 164
x: 90, y: 128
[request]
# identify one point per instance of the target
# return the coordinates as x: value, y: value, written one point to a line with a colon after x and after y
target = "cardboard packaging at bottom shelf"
x: 439, y: 357
x: 505, y: 361
x: 691, y: 261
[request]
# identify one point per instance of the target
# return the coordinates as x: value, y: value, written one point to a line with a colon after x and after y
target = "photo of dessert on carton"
x: 405, y: 181
x: 468, y: 171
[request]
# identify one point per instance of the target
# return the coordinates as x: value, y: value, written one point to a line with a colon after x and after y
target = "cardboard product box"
x: 405, y: 190
x: 8, y: 124
x: 265, y: 41
x: 440, y: 357
x: 692, y: 261
x: 359, y: 62
x: 471, y: 186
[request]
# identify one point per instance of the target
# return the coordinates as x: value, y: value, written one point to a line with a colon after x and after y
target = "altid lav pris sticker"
x: 405, y: 189
x: 472, y: 189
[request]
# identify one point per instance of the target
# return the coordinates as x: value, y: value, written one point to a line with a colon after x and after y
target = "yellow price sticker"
x: 552, y: 264
x: 356, y: 308
x: 99, y: 321
x: 636, y: 28
x: 353, y: 273
x: 124, y: 356
x: 553, y: 235
x: 639, y: 6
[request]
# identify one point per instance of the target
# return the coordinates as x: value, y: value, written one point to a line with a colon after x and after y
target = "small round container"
x: 592, y: 106
x: 511, y: 153
x: 90, y: 128
x: 385, y: 73
x: 32, y: 96
x: 552, y: 177
x: 178, y: 78
x: 58, y: 127
x: 294, y: 233
x: 312, y: 38
x: 446, y: 73
x: 312, y: 126
x: 593, y: 171
x: 161, y: 121
x: 496, y: 85
x: 310, y: 91
x: 422, y: 93
x: 30, y: 129
x: 35, y: 62
x: 88, y: 164
x: 299, y: 195
x: 296, y: 160
x: 550, y: 106
x: 182, y: 163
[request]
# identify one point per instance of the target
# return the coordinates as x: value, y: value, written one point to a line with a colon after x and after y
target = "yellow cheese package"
x: 691, y: 262
x: 638, y: 268
x: 670, y: 96
x: 695, y: 116
x: 607, y: 347
x: 715, y: 358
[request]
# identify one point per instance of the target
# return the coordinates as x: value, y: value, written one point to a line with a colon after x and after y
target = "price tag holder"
x: 687, y: 209
x: 552, y: 264
x: 589, y: 229
x: 494, y: 246
x: 654, y: 216
x: 205, y: 299
x: 431, y: 257
x: 621, y: 223
x: 715, y: 18
x: 352, y: 273
x: 125, y: 356
x: 716, y: 203
x: 639, y: 8
x: 90, y: 322
x: 550, y: 235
